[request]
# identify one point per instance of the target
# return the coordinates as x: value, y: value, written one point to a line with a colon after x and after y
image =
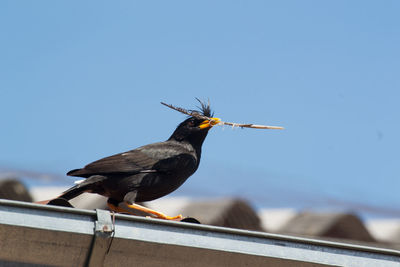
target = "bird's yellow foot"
x: 166, y: 217
x: 125, y: 207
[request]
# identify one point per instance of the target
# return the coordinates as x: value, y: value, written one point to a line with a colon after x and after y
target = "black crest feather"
x: 204, y: 108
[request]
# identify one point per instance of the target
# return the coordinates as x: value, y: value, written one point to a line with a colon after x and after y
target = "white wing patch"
x: 79, y: 181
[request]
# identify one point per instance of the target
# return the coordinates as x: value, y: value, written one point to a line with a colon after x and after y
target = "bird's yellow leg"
x: 115, y: 208
x: 156, y: 214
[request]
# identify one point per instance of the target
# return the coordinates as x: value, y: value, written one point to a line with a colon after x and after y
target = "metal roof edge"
x: 163, y: 234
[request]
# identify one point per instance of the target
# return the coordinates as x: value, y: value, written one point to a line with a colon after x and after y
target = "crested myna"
x: 148, y: 172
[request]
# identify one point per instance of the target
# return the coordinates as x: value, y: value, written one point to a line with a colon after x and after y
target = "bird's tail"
x: 67, y: 195
x: 82, y: 186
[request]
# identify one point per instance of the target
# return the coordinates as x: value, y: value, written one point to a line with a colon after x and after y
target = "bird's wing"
x: 133, y: 161
x: 141, y: 160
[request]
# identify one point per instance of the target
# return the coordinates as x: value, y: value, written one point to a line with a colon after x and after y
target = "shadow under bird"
x: 148, y: 172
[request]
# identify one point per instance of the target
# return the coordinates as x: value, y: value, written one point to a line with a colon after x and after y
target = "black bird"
x: 148, y: 172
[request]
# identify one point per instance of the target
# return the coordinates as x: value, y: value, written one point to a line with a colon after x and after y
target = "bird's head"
x: 195, y: 129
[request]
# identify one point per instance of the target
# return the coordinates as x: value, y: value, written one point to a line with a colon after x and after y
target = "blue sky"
x: 80, y: 81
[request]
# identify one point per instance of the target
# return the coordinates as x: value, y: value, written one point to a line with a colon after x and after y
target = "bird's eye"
x: 191, y: 123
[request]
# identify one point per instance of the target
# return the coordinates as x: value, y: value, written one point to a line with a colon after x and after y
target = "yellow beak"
x: 209, y: 123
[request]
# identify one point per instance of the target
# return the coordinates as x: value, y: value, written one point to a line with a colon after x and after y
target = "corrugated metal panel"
x: 56, y: 236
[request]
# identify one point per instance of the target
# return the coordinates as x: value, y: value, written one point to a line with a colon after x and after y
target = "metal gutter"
x: 32, y: 235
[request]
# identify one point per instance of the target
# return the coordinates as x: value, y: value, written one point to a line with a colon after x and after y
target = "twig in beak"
x: 233, y: 124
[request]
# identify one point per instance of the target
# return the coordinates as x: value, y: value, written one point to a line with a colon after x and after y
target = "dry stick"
x: 199, y: 116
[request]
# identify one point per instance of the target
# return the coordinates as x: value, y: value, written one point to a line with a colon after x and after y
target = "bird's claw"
x: 174, y: 218
x: 166, y: 217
